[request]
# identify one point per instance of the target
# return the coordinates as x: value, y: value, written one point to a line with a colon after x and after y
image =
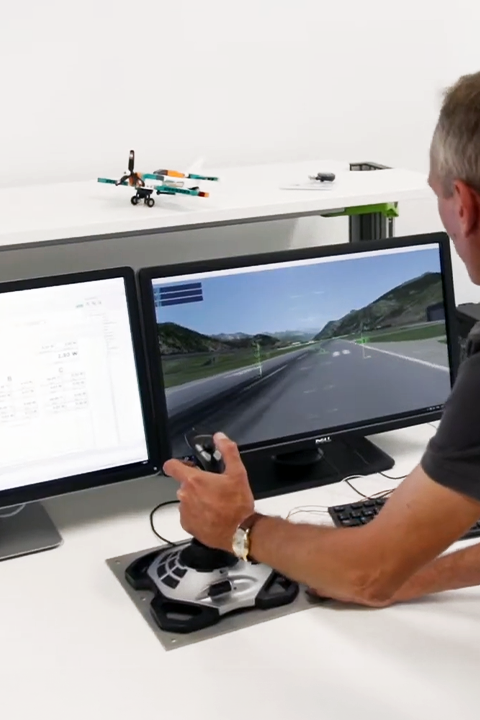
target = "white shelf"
x: 43, y: 213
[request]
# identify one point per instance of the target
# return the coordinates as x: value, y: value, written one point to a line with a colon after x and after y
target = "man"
x: 395, y: 557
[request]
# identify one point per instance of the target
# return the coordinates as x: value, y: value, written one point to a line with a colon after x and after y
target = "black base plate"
x: 186, y: 617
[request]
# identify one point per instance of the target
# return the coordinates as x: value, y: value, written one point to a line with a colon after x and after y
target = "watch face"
x: 238, y: 543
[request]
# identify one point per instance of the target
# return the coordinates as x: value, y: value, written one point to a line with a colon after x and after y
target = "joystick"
x: 206, y: 454
x: 194, y: 586
x: 197, y: 555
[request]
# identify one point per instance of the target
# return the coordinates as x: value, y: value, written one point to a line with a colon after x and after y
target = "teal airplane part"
x: 168, y: 173
x: 167, y: 190
x: 168, y: 182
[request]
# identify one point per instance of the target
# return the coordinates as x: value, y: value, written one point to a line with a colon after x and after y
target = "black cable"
x: 152, y: 525
x: 402, y: 477
x: 391, y: 477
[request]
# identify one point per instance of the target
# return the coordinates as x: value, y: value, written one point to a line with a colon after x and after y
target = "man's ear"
x: 467, y: 204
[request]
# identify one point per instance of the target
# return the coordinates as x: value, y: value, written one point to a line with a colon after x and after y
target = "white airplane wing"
x: 196, y: 166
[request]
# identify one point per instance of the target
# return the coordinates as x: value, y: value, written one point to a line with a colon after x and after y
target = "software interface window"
x: 69, y: 397
x: 273, y: 351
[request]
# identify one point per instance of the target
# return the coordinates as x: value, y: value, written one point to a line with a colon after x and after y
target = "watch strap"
x: 250, y: 521
x: 247, y: 526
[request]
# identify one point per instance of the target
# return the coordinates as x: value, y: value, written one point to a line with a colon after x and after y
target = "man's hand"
x: 212, y: 506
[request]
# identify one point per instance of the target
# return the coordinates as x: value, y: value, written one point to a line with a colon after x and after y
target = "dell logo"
x: 322, y: 440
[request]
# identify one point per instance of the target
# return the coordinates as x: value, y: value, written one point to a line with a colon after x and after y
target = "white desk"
x: 34, y: 214
x: 73, y: 646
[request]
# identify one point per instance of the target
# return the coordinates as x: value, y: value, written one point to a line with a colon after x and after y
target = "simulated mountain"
x: 178, y: 340
x: 286, y: 336
x: 290, y: 336
x: 403, y: 305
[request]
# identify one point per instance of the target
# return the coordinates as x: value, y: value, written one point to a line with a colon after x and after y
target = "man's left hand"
x: 212, y: 506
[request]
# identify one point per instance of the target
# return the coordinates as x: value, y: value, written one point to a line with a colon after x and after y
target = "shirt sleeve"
x: 452, y: 457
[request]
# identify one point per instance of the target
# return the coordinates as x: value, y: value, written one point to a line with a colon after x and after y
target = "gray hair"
x: 455, y: 148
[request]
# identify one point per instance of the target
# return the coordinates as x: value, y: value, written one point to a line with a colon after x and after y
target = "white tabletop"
x: 45, y: 213
x: 73, y: 646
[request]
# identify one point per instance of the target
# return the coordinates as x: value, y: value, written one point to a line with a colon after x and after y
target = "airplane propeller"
x: 134, y: 179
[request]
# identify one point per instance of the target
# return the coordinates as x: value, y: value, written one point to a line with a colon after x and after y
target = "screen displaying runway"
x: 302, y: 348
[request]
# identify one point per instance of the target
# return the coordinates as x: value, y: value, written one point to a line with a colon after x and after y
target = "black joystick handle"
x: 206, y: 454
x: 197, y: 555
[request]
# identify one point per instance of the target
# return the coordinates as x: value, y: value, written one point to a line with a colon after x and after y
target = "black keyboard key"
x: 170, y: 581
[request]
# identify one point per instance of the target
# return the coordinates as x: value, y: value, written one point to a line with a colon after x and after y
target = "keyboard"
x: 360, y: 513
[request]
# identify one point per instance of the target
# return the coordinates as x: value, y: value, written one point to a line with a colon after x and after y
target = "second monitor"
x: 294, y: 352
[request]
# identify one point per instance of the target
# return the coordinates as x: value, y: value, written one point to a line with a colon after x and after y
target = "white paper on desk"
x: 308, y: 186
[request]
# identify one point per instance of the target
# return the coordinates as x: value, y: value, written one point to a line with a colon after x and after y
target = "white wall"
x: 256, y: 81
x: 260, y: 80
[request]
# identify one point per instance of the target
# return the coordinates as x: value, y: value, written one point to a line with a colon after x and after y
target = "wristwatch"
x: 241, y: 538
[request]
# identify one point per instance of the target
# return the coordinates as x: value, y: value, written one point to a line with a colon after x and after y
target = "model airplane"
x: 171, y: 182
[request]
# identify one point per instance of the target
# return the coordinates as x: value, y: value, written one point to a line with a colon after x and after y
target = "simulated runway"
x: 310, y: 390
x: 183, y: 397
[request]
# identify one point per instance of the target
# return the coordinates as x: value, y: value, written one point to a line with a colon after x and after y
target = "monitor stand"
x: 332, y: 462
x: 29, y: 531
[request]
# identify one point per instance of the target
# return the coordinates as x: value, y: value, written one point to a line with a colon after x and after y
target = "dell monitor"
x: 75, y: 408
x: 299, y: 355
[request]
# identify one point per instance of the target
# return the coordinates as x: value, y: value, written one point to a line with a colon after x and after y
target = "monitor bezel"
x: 300, y: 442
x: 99, y: 478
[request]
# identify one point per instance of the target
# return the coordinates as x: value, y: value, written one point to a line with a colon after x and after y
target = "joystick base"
x: 187, y: 600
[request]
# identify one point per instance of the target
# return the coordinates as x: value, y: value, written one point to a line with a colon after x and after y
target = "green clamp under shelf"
x: 388, y: 210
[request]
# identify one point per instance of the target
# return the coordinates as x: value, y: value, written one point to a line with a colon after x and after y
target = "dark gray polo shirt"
x: 452, y: 457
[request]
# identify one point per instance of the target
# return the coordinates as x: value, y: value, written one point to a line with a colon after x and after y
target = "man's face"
x: 460, y: 215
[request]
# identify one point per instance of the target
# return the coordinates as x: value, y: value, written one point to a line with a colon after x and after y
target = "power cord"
x: 152, y: 524
x: 402, y: 477
x: 391, y: 477
x: 323, y: 509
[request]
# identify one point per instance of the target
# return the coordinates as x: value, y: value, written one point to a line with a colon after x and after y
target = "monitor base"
x: 29, y: 531
x: 301, y: 458
x: 340, y: 458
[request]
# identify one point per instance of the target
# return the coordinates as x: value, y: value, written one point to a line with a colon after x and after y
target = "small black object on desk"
x: 323, y: 177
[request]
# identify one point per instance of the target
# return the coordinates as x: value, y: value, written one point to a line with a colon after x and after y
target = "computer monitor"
x: 299, y: 355
x: 75, y: 407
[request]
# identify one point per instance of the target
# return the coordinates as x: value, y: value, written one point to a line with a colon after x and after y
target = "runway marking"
x: 335, y: 354
x: 261, y: 379
x: 345, y: 352
x: 405, y: 357
x: 247, y: 371
x: 329, y: 387
x: 308, y: 392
